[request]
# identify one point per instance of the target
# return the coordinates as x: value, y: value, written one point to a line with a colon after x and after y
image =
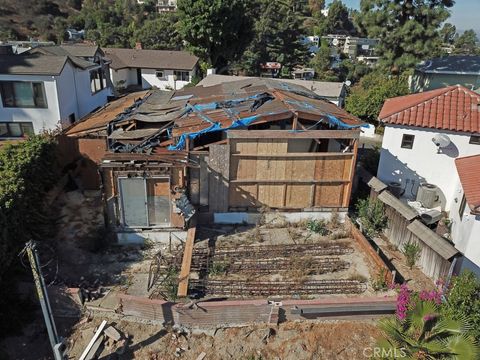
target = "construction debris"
x: 112, y: 333
x: 108, y: 336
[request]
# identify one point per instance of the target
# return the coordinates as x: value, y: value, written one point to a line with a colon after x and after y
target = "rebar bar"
x: 275, y: 288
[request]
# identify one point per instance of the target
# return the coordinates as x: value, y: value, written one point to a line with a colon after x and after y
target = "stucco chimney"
x: 211, y: 71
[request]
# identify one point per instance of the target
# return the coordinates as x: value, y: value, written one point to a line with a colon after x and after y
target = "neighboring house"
x: 229, y: 150
x: 335, y: 92
x: 43, y: 92
x: 303, y: 74
x: 355, y: 47
x: 445, y: 71
x: 425, y: 136
x: 465, y: 211
x: 166, y: 5
x: 362, y: 49
x: 145, y: 69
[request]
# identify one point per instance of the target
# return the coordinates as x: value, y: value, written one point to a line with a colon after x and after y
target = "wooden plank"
x: 203, y: 200
x: 348, y: 189
x: 294, y: 155
x: 288, y: 134
x: 194, y: 183
x: 186, y: 263
x: 92, y: 341
x: 218, y: 178
x: 286, y: 181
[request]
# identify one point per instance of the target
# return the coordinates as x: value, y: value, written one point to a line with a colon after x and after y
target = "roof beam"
x: 288, y: 134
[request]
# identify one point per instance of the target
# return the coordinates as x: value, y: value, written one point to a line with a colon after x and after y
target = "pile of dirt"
x: 314, y: 340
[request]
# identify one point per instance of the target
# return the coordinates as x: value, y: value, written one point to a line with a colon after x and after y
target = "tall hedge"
x: 27, y: 171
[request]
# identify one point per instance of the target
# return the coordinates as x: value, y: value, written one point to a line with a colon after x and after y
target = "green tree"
x: 338, y: 19
x: 426, y: 334
x: 215, y: 30
x: 466, y: 43
x: 111, y: 22
x: 408, y: 30
x: 277, y: 33
x: 316, y: 7
x: 321, y: 63
x: 448, y: 33
x: 366, y: 99
x: 463, y: 300
x: 352, y: 70
x: 159, y: 33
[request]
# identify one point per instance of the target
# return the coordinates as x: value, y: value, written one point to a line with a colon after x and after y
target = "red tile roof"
x: 451, y: 108
x: 469, y: 172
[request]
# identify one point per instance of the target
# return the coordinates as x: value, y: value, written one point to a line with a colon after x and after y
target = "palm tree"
x: 426, y: 334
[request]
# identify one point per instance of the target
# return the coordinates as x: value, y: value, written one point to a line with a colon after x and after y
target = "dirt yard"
x: 296, y: 341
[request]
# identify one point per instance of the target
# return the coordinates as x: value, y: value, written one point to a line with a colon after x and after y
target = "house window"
x: 463, y: 205
x: 15, y: 129
x: 23, y: 94
x: 475, y: 139
x: 407, y: 141
x: 160, y: 74
x: 98, y: 80
x: 182, y: 75
x: 145, y: 202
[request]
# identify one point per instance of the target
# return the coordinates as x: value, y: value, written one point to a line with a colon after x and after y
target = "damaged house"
x: 228, y: 152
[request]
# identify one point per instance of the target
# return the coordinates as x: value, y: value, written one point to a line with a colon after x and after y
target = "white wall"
x: 149, y: 78
x: 127, y: 75
x: 67, y: 100
x: 87, y: 102
x: 465, y: 231
x: 422, y: 163
x: 42, y: 118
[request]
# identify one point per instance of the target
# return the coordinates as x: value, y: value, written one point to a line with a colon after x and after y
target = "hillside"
x: 39, y: 19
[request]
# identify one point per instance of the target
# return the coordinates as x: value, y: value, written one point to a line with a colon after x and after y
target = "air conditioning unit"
x: 431, y: 217
x: 427, y: 195
x: 395, y: 188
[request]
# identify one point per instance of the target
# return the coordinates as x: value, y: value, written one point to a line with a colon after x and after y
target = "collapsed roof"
x: 169, y: 120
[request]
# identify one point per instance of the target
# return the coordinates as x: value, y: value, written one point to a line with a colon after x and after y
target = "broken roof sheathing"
x: 168, y: 119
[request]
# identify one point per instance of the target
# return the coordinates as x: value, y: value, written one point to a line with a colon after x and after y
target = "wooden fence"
x: 436, y: 253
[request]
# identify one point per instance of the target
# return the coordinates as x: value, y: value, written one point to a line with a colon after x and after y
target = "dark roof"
x: 451, y: 108
x: 327, y: 89
x: 455, y: 64
x: 468, y: 169
x: 82, y: 50
x: 34, y: 64
x: 150, y: 59
x: 60, y: 51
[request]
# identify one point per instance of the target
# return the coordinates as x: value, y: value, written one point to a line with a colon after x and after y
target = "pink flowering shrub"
x: 403, y: 301
x: 407, y: 298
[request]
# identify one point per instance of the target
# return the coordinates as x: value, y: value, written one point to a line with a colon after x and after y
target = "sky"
x: 465, y: 13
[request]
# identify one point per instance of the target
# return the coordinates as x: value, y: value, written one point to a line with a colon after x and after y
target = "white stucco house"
x: 145, y: 69
x: 426, y: 136
x: 44, y: 92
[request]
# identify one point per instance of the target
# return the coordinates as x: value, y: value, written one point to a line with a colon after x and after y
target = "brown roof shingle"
x: 150, y: 59
x: 468, y: 169
x: 453, y: 108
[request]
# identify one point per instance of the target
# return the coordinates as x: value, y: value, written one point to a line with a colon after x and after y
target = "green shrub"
x: 372, y: 216
x: 411, y: 250
x: 317, y: 226
x: 463, y: 301
x: 379, y: 282
x: 218, y: 268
